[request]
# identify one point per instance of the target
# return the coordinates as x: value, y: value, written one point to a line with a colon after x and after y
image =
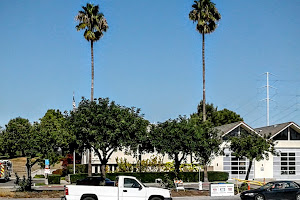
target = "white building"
x: 285, y: 166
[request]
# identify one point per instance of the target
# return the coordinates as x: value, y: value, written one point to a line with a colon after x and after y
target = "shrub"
x: 217, y: 176
x: 58, y: 172
x: 75, y: 177
x: 24, y: 184
x: 54, y: 179
x: 149, y: 177
x: 79, y: 168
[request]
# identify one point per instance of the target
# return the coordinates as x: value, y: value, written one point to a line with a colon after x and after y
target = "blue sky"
x: 150, y: 58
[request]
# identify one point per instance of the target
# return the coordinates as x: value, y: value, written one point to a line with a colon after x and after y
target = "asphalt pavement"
x: 236, y: 197
x: 10, y: 184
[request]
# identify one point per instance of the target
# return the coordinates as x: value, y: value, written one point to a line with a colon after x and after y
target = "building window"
x: 283, y: 135
x: 294, y: 134
x: 238, y: 166
x: 288, y: 163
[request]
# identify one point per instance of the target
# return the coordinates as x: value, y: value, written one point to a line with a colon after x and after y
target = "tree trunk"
x: 28, y: 167
x: 103, y: 172
x: 203, y: 76
x: 92, y: 99
x: 177, y: 165
x: 205, y: 173
x: 249, y: 169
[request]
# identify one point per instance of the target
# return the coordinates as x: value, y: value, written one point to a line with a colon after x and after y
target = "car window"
x: 279, y: 186
x: 131, y: 183
x: 268, y: 185
x: 291, y: 185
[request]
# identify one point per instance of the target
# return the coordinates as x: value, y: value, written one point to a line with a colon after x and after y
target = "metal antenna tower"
x: 268, y: 101
x: 268, y: 98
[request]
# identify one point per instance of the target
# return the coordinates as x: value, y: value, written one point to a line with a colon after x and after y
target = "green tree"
x: 206, y: 15
x: 105, y: 127
x: 16, y: 137
x: 173, y: 138
x: 251, y: 146
x: 215, y: 116
x: 35, y: 142
x: 206, y: 143
x: 94, y: 25
x: 53, y: 132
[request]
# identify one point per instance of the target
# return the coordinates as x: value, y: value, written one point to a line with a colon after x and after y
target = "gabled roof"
x: 276, y: 129
x: 227, y: 128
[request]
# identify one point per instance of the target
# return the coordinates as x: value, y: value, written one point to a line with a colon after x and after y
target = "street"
x: 236, y: 197
x: 175, y: 198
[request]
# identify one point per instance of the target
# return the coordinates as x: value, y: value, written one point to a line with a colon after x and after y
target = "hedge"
x: 75, y: 177
x: 53, y: 179
x: 217, y: 176
x: 149, y: 177
x: 79, y: 168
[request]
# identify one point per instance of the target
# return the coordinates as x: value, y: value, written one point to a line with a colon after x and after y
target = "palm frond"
x: 206, y: 15
x: 92, y: 21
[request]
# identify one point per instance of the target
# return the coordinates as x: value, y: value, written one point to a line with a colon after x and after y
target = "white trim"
x: 239, y: 124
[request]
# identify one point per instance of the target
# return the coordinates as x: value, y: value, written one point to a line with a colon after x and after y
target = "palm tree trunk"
x: 92, y: 86
x: 92, y: 98
x: 203, y: 75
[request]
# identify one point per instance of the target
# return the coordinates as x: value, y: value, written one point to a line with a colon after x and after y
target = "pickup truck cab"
x: 126, y: 188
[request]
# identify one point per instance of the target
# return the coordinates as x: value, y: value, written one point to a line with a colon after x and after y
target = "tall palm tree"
x: 206, y: 15
x: 94, y: 25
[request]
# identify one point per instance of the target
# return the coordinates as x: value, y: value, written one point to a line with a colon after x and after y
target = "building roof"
x: 227, y: 128
x: 276, y: 129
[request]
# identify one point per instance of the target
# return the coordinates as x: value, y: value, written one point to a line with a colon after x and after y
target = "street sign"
x: 47, y: 162
x: 47, y: 171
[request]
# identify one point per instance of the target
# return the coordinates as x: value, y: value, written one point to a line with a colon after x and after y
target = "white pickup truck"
x: 126, y: 188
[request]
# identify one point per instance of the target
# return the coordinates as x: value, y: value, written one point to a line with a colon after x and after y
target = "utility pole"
x: 268, y: 98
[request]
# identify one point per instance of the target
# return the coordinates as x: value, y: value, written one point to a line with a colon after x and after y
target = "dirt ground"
x: 58, y: 194
x: 182, y: 193
x: 34, y: 194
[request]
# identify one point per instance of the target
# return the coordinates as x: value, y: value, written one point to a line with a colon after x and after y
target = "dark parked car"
x: 95, y: 180
x: 277, y: 190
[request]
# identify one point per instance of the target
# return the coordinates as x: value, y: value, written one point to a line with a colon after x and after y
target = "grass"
x: 39, y: 176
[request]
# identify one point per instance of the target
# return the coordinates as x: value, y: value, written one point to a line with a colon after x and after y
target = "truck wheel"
x: 88, y: 198
x: 156, y: 198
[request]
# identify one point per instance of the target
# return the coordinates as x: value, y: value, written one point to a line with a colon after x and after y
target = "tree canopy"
x: 215, y: 116
x: 104, y: 126
x: 16, y: 138
x: 206, y: 15
x: 173, y: 138
x: 206, y: 143
x: 35, y: 142
x: 92, y: 21
x: 251, y: 146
